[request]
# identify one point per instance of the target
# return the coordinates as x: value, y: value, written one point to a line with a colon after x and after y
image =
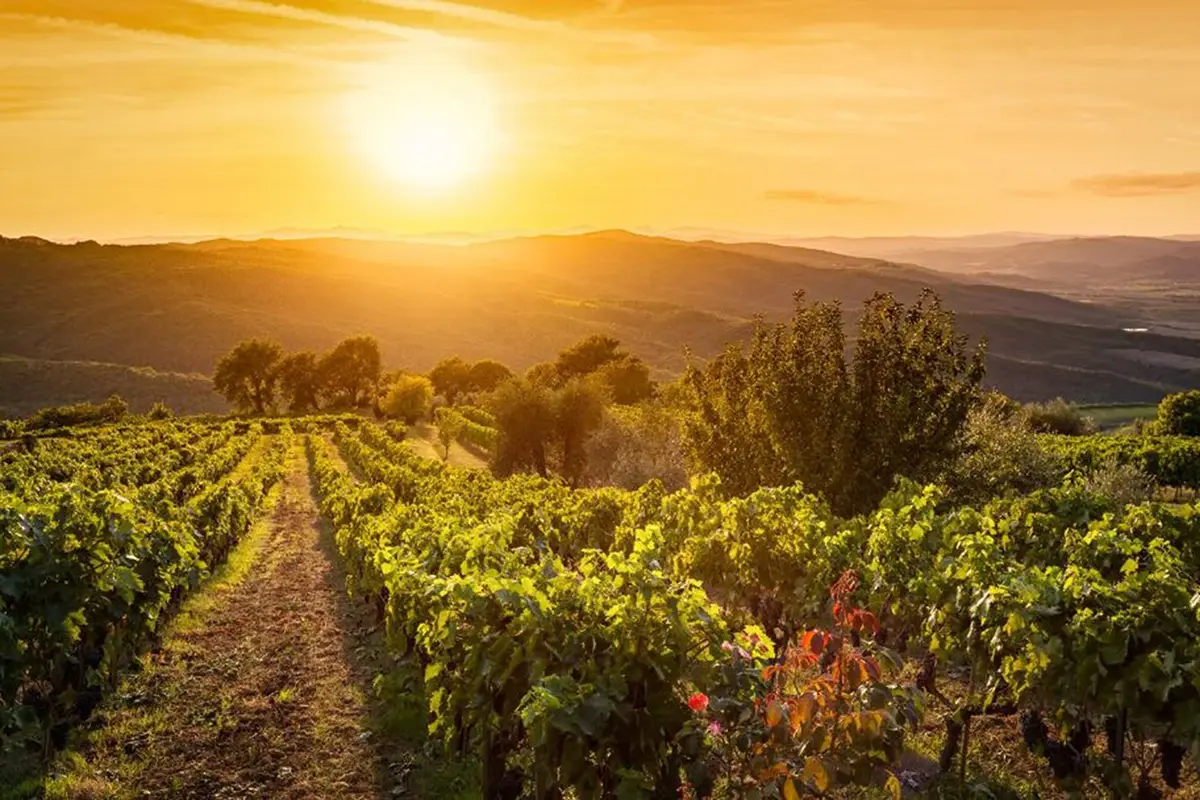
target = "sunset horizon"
x: 599, y: 399
x: 909, y: 117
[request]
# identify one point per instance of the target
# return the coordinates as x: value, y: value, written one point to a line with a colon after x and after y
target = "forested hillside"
x: 177, y: 308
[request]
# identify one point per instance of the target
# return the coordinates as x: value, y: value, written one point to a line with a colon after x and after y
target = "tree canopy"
x: 587, y: 357
x: 1179, y: 414
x: 525, y: 417
x: 793, y: 408
x: 350, y: 372
x: 486, y: 375
x: 409, y: 398
x: 246, y: 376
x: 300, y: 382
x: 451, y: 378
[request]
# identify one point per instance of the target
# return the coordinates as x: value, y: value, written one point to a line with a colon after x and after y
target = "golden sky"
x: 124, y: 118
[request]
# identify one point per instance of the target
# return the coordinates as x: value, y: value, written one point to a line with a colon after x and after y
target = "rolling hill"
x: 176, y: 308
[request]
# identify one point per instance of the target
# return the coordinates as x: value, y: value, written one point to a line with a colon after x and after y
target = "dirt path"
x: 265, y: 692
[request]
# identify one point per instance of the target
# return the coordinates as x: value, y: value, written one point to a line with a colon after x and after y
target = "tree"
x: 628, y: 380
x: 634, y: 445
x: 409, y: 398
x: 544, y: 374
x: 300, y: 382
x: 525, y: 417
x: 1179, y: 414
x: 1058, y: 416
x: 578, y: 412
x: 587, y: 357
x: 246, y: 376
x: 486, y: 375
x: 449, y: 429
x: 793, y: 409
x: 451, y: 377
x: 350, y: 373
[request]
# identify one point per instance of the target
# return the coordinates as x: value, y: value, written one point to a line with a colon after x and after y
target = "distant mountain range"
x: 177, y: 307
x: 1123, y: 258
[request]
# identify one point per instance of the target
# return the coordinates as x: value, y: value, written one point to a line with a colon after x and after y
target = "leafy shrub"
x: 409, y: 398
x: 1169, y: 460
x: 161, y: 411
x: 1179, y: 414
x: 111, y: 410
x: 9, y: 429
x: 826, y: 716
x: 397, y: 430
x: 1124, y: 484
x: 1000, y: 455
x: 635, y: 445
x: 1058, y: 416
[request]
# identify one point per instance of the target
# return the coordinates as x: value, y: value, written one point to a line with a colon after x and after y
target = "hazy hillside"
x: 893, y: 247
x: 1157, y: 279
x: 29, y: 384
x: 177, y: 307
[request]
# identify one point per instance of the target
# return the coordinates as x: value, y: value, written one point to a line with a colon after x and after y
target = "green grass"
x: 1118, y: 416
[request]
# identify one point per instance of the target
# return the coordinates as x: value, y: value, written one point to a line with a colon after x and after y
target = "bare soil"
x: 269, y: 695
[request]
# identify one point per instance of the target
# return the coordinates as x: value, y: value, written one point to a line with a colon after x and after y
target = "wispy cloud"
x: 511, y: 21
x: 820, y: 198
x: 191, y: 44
x: 1140, y: 184
x: 296, y: 14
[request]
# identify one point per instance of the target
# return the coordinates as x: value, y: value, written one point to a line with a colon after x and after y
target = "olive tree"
x: 350, y: 372
x: 246, y: 376
x: 300, y: 381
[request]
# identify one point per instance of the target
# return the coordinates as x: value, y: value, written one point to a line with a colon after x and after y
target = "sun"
x: 429, y: 122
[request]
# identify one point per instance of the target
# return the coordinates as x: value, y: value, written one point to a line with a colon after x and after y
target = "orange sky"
x: 856, y: 117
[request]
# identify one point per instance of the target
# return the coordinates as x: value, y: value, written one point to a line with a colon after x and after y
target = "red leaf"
x: 814, y: 642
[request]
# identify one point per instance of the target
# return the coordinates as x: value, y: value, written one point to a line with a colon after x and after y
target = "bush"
x: 1179, y: 414
x: 1058, y: 416
x: 161, y: 411
x: 1125, y: 484
x: 1000, y: 455
x: 409, y: 399
x: 9, y: 429
x: 635, y: 445
x: 111, y: 410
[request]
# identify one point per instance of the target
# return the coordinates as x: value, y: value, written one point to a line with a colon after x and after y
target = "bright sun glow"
x: 429, y: 122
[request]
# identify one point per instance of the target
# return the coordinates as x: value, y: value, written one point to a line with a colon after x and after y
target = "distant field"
x: 1118, y: 416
